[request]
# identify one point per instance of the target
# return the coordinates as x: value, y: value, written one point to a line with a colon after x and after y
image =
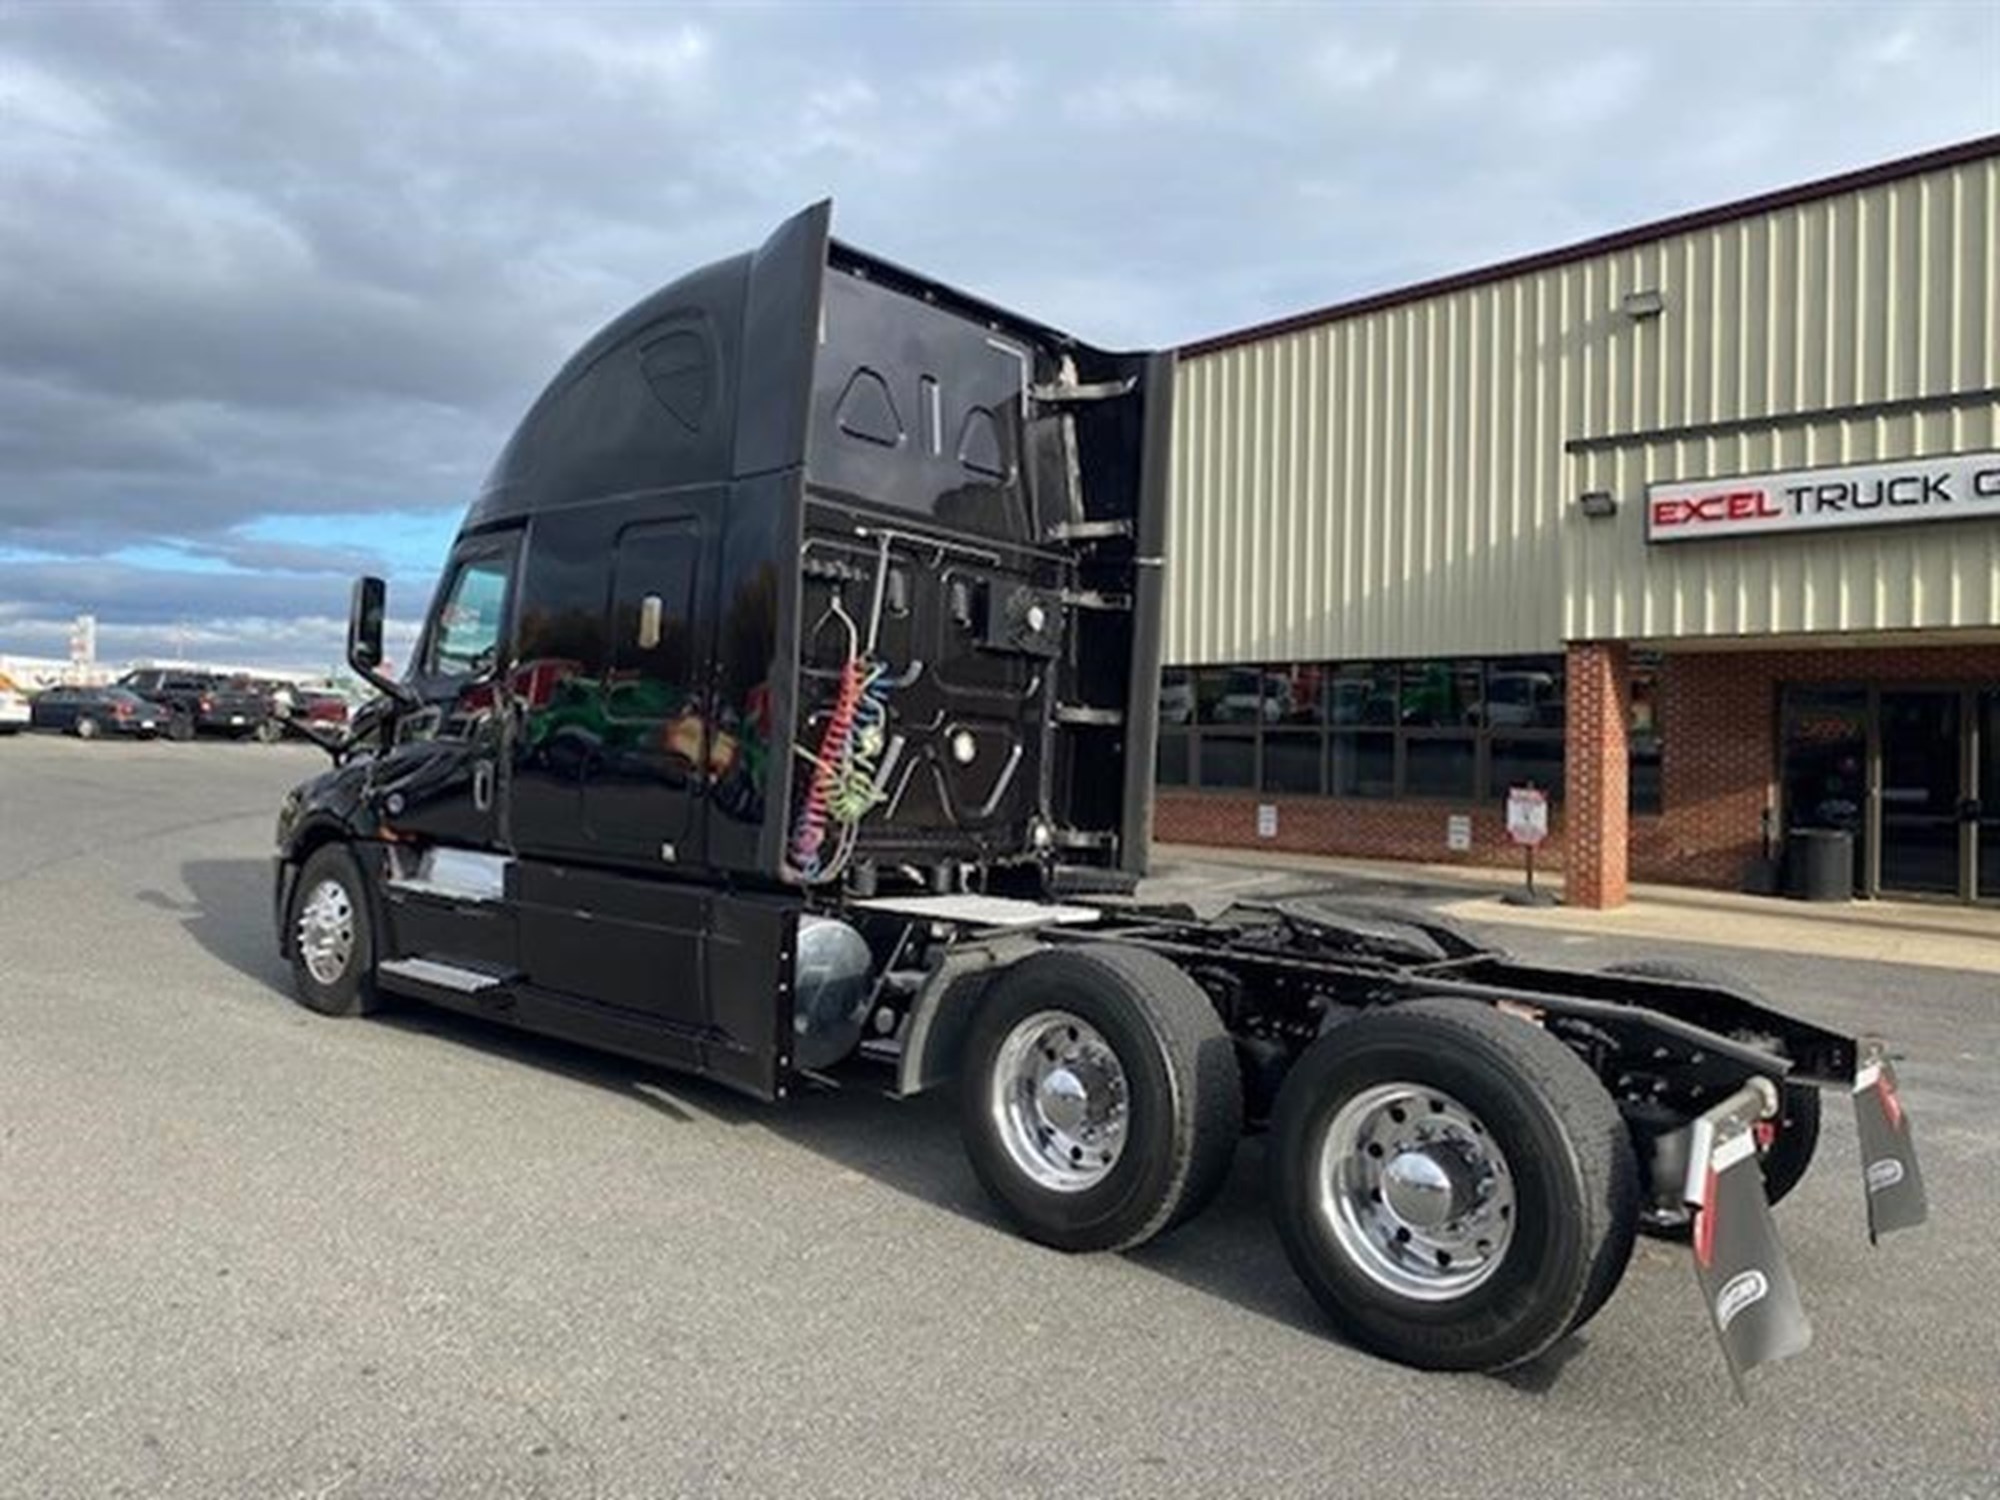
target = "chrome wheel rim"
x: 1060, y: 1101
x: 326, y: 931
x: 1416, y: 1193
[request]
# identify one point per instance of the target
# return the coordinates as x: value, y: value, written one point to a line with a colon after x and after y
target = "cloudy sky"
x: 275, y: 281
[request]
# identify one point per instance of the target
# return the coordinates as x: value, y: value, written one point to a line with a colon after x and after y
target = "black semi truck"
x: 786, y: 714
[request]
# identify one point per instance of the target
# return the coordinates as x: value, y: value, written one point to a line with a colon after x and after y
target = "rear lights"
x: 207, y: 705
x: 122, y: 709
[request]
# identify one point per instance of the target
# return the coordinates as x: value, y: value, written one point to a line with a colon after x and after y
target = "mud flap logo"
x: 1884, y: 1174
x: 1738, y: 1293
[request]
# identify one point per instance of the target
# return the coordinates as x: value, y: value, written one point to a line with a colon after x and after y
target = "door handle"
x: 482, y: 785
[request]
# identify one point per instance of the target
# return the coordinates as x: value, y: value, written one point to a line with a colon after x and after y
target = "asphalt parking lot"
x: 247, y: 1251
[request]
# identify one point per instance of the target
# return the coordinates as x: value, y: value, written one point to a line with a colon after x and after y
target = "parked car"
x: 202, y: 701
x: 14, y: 712
x: 1250, y: 695
x: 87, y: 712
x: 320, y: 706
x: 1521, y: 700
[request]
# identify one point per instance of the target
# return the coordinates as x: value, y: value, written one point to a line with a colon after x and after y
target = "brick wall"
x: 1597, y: 714
x: 1362, y: 828
x: 1719, y: 713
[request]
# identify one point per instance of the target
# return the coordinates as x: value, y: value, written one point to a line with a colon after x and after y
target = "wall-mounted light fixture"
x: 1597, y: 504
x: 1641, y: 305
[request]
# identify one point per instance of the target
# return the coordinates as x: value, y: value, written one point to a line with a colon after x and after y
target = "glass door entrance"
x: 1984, y: 806
x: 1913, y: 774
x: 1920, y: 791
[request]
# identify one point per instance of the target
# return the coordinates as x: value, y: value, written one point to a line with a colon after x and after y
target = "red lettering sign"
x: 1703, y: 510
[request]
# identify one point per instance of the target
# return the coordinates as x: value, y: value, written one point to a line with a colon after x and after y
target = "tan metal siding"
x: 1396, y: 482
x: 1884, y: 295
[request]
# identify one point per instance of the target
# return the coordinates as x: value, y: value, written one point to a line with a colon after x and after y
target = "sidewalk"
x: 1901, y: 932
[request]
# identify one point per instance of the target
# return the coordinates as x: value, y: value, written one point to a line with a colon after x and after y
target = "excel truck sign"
x: 1936, y: 489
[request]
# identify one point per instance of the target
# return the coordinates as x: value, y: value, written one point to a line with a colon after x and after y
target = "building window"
x: 1364, y: 765
x: 1645, y: 789
x: 1456, y: 729
x: 1295, y: 762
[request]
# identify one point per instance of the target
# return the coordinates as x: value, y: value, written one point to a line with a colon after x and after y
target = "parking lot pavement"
x: 247, y: 1251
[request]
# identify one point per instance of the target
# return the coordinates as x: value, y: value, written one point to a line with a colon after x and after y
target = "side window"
x: 654, y: 677
x: 466, y: 637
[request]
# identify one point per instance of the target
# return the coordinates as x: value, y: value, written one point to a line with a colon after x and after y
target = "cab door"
x: 443, y: 780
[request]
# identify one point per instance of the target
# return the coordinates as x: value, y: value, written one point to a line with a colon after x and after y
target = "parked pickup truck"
x: 786, y: 714
x: 204, y: 702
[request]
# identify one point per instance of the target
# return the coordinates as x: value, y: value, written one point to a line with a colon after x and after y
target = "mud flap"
x: 1739, y: 1262
x: 1893, y: 1184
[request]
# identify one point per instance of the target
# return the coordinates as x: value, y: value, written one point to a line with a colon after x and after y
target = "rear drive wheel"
x: 87, y: 728
x: 269, y: 731
x: 1454, y: 1186
x: 1100, y: 1099
x: 332, y: 937
x: 1785, y: 1146
x: 180, y: 727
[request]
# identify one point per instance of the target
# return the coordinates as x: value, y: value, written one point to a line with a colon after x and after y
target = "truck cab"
x: 807, y: 578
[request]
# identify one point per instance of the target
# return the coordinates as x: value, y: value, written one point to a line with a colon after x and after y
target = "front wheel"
x: 332, y: 935
x: 1454, y: 1186
x: 1100, y: 1097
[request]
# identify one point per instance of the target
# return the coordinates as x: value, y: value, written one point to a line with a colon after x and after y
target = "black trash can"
x: 1819, y: 864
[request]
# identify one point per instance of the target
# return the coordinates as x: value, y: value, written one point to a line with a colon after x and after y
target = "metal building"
x: 1696, y: 525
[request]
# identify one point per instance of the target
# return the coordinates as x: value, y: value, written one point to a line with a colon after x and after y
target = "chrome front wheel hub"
x: 326, y: 931
x: 1416, y: 1192
x: 1060, y: 1101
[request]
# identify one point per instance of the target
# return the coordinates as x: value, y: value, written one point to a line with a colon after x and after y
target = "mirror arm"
x: 402, y: 692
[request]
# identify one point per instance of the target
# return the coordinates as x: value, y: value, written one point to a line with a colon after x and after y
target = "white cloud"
x: 1349, y: 68
x: 1136, y: 99
x: 1594, y: 90
x: 1456, y: 84
x: 1893, y: 49
x: 35, y: 100
x: 983, y: 95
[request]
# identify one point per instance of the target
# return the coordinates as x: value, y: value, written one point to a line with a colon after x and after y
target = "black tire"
x: 1572, y: 1174
x: 1789, y: 1152
x: 269, y: 731
x: 351, y: 991
x: 87, y: 728
x: 180, y: 728
x: 1183, y: 1096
